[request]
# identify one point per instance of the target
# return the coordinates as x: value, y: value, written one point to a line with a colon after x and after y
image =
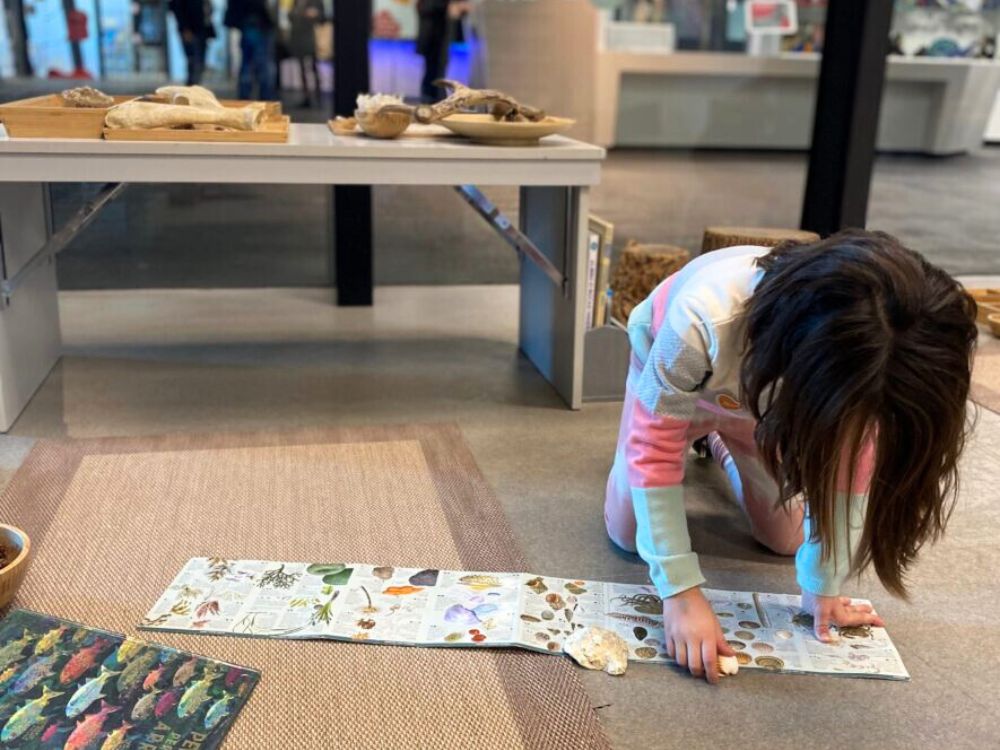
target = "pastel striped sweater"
x: 688, y: 339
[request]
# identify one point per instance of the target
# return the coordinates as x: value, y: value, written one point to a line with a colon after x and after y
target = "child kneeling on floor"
x: 831, y: 381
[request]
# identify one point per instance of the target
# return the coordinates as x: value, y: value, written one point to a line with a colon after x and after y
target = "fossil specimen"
x: 597, y: 648
x: 86, y: 96
x: 462, y: 99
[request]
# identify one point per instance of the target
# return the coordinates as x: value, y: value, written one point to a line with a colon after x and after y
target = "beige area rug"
x: 986, y: 373
x: 113, y: 520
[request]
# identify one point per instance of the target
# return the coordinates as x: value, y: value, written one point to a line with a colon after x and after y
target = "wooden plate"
x: 484, y: 129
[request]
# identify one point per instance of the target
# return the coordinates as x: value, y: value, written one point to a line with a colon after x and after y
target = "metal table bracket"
x: 511, y: 234
x: 59, y: 240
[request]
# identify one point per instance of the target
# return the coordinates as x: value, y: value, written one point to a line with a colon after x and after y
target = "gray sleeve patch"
x: 673, y: 376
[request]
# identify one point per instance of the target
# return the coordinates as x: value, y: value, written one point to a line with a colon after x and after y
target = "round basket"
x: 12, y: 575
x: 383, y: 123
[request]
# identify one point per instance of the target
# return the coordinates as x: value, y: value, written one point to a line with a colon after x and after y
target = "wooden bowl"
x: 12, y: 575
x: 382, y: 123
x: 993, y: 320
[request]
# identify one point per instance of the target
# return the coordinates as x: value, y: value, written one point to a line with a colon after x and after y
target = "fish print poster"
x: 430, y: 607
x: 66, y: 686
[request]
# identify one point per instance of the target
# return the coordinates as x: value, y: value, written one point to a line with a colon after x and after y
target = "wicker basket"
x: 13, y: 574
x: 637, y: 272
x: 716, y: 238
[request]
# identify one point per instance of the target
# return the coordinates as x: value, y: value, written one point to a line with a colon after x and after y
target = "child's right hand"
x: 693, y: 635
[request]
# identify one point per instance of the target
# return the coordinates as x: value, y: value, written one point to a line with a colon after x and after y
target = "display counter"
x: 721, y: 100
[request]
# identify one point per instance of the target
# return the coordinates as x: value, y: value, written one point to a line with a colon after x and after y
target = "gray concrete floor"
x: 157, y: 361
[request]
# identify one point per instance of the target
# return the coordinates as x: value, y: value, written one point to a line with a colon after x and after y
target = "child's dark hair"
x: 852, y: 337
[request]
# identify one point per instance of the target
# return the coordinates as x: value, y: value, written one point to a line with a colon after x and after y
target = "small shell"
x: 769, y: 662
x: 738, y: 645
x: 645, y: 652
x: 762, y: 648
x: 728, y: 665
x: 743, y: 658
x: 548, y: 615
x: 452, y: 637
x: 745, y: 635
x: 783, y: 635
x: 749, y: 624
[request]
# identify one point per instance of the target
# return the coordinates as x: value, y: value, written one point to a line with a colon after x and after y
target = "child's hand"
x: 694, y: 637
x: 837, y: 610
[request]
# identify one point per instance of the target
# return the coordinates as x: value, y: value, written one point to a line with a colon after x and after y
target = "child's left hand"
x: 837, y: 610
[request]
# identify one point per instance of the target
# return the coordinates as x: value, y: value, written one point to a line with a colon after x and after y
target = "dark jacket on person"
x: 194, y: 16
x: 240, y: 13
x: 302, y: 35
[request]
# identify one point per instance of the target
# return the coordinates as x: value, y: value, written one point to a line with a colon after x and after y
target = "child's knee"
x: 619, y: 517
x: 621, y: 534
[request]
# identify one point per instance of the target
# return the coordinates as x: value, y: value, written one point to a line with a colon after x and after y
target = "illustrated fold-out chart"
x: 430, y: 607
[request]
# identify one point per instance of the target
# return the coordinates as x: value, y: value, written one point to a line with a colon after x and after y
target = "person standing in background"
x: 194, y: 22
x: 304, y: 18
x: 256, y: 23
x: 435, y: 20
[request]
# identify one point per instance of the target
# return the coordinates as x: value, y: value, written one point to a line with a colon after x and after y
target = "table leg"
x: 29, y: 307
x: 552, y: 317
x: 352, y: 244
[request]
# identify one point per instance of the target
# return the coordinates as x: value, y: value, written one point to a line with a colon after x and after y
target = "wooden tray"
x: 50, y: 117
x: 274, y: 130
x: 987, y: 302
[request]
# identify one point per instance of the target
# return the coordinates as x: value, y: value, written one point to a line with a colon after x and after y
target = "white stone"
x: 598, y: 648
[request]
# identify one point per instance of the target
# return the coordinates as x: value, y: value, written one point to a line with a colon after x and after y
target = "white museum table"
x: 554, y: 179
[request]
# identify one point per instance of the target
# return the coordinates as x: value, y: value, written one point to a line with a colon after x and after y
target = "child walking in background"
x: 831, y: 381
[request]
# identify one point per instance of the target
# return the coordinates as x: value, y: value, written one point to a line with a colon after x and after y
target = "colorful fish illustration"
x: 87, y: 693
x: 89, y: 728
x: 143, y: 708
x: 81, y: 662
x: 233, y: 676
x: 129, y: 648
x: 185, y: 672
x: 8, y: 675
x: 54, y: 737
x: 48, y: 641
x: 12, y: 650
x: 166, y: 703
x: 153, y: 678
x: 217, y: 712
x: 50, y: 731
x: 34, y: 674
x: 136, y: 670
x: 27, y: 716
x: 116, y: 738
x: 194, y: 697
